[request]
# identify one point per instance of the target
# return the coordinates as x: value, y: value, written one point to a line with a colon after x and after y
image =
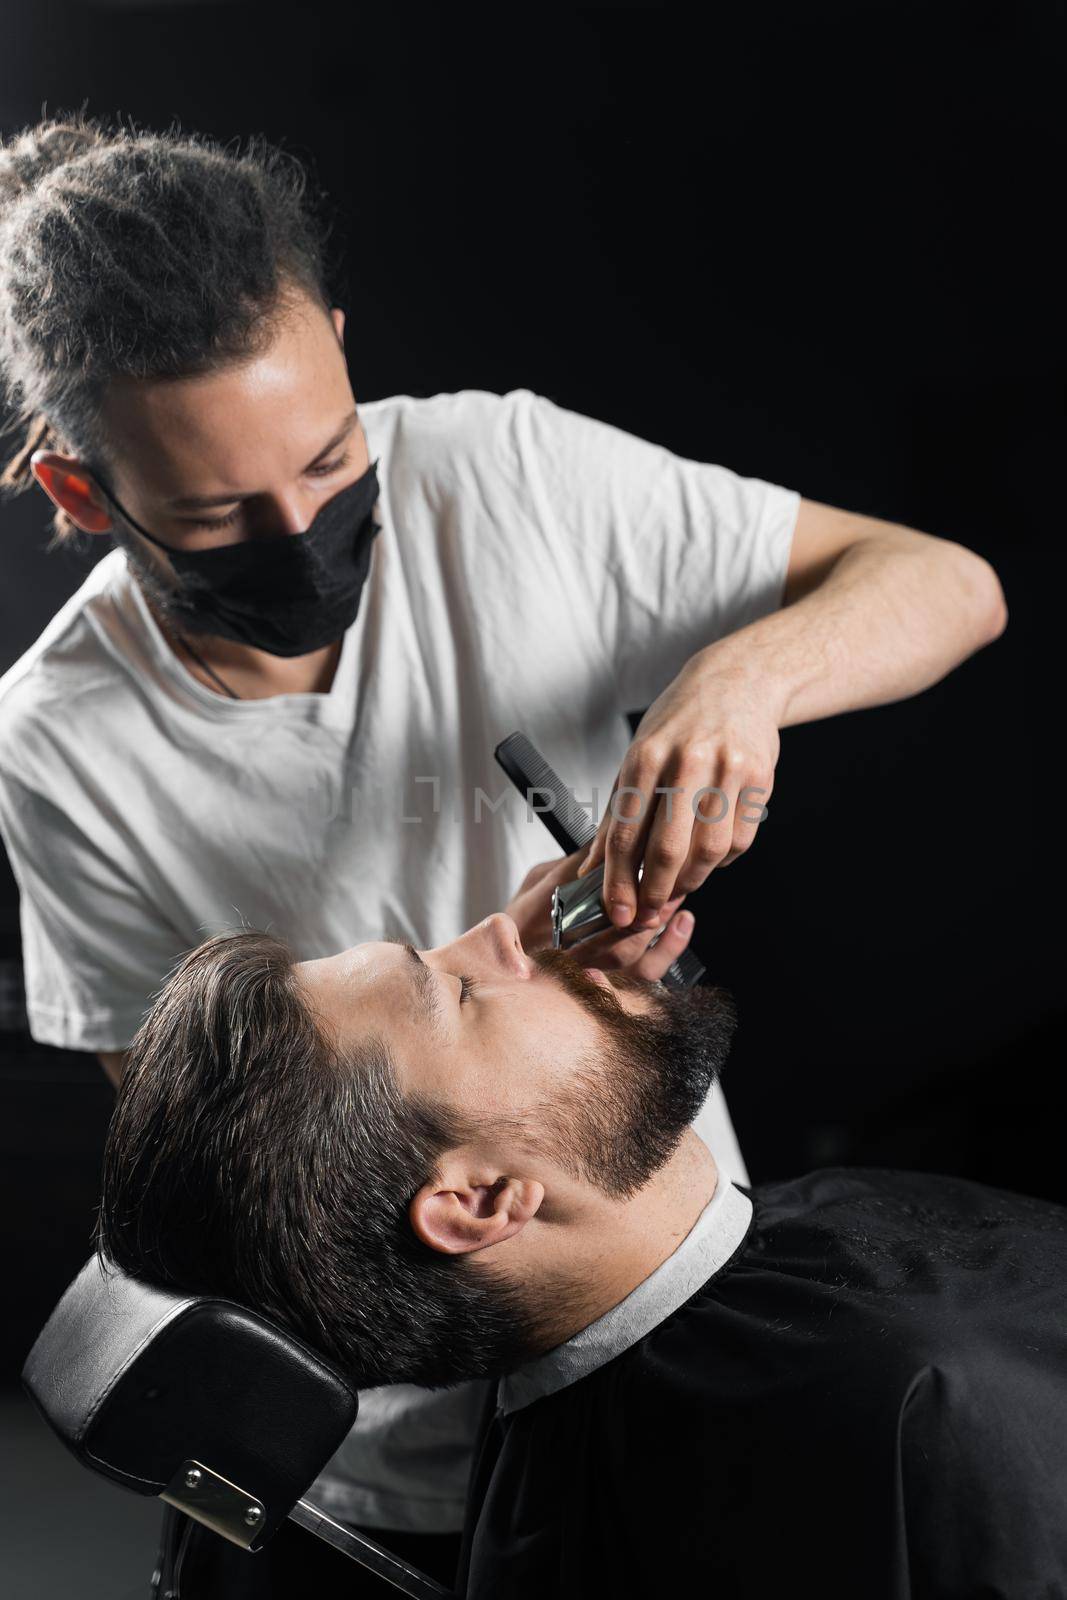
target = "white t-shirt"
x: 537, y: 570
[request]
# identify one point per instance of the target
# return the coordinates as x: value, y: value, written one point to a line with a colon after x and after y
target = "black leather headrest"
x: 137, y: 1382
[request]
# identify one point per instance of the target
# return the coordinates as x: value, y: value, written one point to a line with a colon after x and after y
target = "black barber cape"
x: 869, y: 1397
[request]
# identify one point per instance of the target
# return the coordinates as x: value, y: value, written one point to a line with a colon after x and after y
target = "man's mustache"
x: 566, y: 968
x: 686, y: 1019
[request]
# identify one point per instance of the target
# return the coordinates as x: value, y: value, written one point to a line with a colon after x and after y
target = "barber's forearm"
x: 895, y: 614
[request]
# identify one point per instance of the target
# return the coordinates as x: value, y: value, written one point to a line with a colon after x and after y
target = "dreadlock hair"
x: 127, y: 253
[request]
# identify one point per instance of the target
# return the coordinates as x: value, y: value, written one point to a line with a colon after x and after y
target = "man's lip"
x: 597, y: 976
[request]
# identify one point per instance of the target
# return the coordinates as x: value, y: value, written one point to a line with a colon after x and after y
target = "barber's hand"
x: 711, y: 730
x: 613, y: 949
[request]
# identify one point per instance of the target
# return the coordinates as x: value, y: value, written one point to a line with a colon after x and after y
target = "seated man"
x: 471, y: 1161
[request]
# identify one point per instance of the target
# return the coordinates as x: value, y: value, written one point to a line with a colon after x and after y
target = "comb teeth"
x: 571, y: 827
x: 527, y: 768
x: 690, y: 969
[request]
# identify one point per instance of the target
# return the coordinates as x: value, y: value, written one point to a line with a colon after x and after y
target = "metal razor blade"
x: 578, y: 910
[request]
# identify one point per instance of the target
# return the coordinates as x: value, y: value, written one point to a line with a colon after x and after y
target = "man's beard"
x: 618, y: 1120
x: 164, y: 599
x: 624, y: 1110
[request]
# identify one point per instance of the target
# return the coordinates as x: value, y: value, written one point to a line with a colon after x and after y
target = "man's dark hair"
x: 128, y: 253
x: 247, y: 1158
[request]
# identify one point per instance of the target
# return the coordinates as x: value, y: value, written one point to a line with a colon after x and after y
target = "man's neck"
x: 250, y: 673
x: 590, y: 1256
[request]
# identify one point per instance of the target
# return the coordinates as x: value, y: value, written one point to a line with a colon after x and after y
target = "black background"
x: 813, y: 244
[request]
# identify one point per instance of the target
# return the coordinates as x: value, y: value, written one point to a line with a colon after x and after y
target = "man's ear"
x: 458, y: 1213
x: 67, y: 486
x: 337, y: 317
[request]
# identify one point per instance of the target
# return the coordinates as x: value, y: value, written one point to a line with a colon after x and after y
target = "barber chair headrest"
x: 192, y: 1398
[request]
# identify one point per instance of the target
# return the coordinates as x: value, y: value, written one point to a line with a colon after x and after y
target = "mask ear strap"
x: 102, y: 486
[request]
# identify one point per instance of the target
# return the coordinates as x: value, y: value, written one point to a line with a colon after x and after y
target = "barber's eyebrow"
x: 426, y: 991
x: 200, y: 502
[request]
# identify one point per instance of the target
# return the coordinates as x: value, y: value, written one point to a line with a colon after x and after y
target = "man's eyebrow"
x: 426, y: 990
x: 201, y: 502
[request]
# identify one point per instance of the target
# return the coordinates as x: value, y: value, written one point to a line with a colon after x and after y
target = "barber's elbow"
x: 983, y: 595
x: 997, y: 619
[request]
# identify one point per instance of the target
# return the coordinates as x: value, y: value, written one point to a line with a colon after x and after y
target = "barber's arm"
x: 94, y: 944
x: 871, y: 612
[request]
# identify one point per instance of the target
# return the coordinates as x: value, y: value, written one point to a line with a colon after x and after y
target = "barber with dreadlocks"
x: 275, y: 700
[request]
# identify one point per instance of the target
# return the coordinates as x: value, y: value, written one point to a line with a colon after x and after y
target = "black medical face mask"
x: 289, y: 594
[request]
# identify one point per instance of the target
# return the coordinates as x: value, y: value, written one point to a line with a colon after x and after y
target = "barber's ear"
x: 66, y: 486
x: 458, y: 1217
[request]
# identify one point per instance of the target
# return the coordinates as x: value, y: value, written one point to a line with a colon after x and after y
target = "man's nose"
x: 287, y: 514
x: 502, y: 934
x: 494, y: 946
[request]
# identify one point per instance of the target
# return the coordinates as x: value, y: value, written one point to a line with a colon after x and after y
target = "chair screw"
x: 192, y: 1478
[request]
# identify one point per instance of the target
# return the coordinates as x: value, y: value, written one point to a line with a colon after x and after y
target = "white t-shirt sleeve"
x: 670, y: 554
x: 93, y: 952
